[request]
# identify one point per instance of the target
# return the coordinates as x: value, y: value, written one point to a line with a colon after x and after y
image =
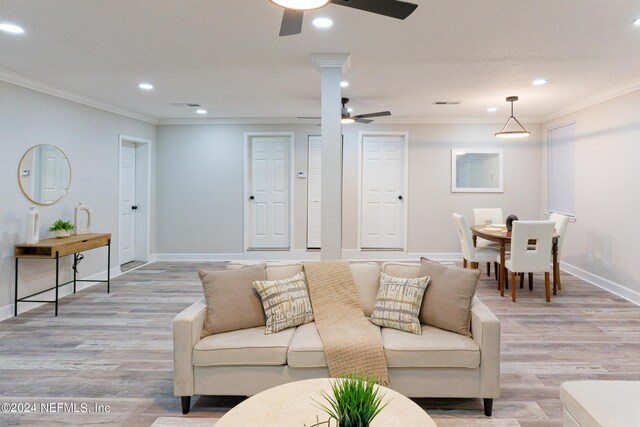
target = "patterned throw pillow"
x: 398, y: 303
x: 286, y: 303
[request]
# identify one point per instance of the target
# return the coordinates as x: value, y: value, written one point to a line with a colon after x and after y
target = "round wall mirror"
x: 44, y: 174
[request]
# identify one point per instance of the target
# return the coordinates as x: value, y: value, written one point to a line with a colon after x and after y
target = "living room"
x: 71, y: 79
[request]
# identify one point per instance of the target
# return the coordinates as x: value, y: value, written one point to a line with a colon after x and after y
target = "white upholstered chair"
x: 526, y: 258
x: 486, y: 216
x: 469, y: 252
x: 560, y: 224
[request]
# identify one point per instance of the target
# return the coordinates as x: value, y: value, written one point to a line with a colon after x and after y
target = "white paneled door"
x: 128, y: 205
x: 55, y: 178
x: 314, y: 190
x: 269, y: 192
x: 383, y: 192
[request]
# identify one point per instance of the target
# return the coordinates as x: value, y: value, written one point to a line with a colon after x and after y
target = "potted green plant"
x: 355, y: 402
x: 61, y: 228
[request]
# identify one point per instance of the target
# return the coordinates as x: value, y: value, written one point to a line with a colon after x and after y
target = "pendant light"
x: 522, y: 132
x: 301, y: 4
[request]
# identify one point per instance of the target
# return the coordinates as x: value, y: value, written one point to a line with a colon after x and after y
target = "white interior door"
x: 128, y: 204
x: 314, y: 187
x: 383, y: 192
x: 55, y: 175
x: 269, y: 190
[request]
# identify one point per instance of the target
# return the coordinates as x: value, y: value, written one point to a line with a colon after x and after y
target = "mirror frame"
x: 458, y: 151
x: 20, y: 176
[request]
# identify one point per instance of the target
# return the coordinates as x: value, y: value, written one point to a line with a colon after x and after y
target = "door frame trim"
x: 405, y: 136
x: 246, y: 228
x: 146, y: 194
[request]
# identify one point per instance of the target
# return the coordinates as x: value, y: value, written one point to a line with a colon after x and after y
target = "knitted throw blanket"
x: 350, y: 344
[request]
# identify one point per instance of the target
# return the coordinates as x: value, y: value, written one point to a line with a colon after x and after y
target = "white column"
x: 330, y: 67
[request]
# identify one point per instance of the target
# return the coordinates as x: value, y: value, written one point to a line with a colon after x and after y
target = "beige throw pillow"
x: 286, y: 303
x: 398, y: 303
x: 447, y: 301
x: 232, y: 303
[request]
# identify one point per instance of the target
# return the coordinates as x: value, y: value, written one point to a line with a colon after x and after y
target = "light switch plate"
x: 25, y: 172
x: 302, y: 174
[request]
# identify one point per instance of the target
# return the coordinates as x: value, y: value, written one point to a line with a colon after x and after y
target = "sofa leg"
x: 488, y: 407
x: 186, y: 404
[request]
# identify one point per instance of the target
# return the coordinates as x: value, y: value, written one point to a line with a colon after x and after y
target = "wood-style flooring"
x: 116, y: 350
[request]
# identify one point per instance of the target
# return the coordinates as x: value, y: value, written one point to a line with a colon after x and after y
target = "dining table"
x: 499, y: 234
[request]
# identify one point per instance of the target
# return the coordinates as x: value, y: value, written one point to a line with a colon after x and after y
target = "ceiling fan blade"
x: 365, y: 121
x: 392, y: 8
x: 291, y: 22
x: 310, y: 118
x: 379, y: 114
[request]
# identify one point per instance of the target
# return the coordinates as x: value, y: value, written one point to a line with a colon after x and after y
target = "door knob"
x: 399, y: 197
x: 134, y: 208
x: 251, y: 197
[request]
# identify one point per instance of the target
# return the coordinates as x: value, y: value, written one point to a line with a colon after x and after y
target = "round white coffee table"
x: 294, y: 405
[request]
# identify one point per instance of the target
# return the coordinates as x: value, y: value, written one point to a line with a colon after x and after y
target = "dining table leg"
x: 556, y: 269
x: 503, y: 270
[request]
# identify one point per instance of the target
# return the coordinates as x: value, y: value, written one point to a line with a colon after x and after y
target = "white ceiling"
x: 227, y: 56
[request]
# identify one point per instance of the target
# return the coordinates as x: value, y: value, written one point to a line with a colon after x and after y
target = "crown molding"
x: 311, y: 122
x: 29, y: 83
x: 331, y: 60
x: 598, y: 98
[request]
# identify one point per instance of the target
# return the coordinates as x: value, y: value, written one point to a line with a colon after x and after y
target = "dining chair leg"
x: 530, y: 281
x: 495, y: 268
x: 488, y: 269
x: 521, y: 280
x: 557, y: 273
x: 547, y: 287
x: 513, y: 286
x: 506, y: 278
x: 464, y: 263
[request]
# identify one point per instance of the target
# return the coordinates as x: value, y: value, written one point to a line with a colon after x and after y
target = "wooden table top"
x: 63, y: 246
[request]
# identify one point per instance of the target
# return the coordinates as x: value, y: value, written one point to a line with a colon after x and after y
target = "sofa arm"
x: 187, y: 328
x: 485, y: 330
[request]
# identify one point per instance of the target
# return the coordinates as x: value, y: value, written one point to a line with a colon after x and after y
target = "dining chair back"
x: 485, y: 216
x: 560, y: 224
x: 464, y: 237
x: 528, y: 258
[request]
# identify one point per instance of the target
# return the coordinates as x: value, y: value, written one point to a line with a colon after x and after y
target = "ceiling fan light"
x: 347, y: 120
x: 301, y: 4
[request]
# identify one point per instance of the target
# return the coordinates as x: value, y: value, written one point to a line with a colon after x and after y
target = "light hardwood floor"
x: 116, y: 350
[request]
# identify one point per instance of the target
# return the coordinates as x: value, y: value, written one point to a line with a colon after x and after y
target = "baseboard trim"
x: 602, y: 283
x: 6, y: 312
x: 304, y: 255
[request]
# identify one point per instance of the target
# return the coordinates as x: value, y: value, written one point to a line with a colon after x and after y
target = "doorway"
x: 383, y: 183
x: 134, y: 204
x: 268, y: 185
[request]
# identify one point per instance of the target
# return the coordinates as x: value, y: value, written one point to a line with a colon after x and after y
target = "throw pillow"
x: 398, y: 303
x: 286, y: 303
x: 447, y: 301
x: 232, y: 303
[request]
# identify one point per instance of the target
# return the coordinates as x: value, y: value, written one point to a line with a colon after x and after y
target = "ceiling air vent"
x: 185, y: 105
x: 447, y: 102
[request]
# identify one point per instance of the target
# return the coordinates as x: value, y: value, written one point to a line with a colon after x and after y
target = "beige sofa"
x: 437, y: 363
x: 600, y: 403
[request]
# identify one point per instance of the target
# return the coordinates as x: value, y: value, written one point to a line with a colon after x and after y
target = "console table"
x: 54, y: 249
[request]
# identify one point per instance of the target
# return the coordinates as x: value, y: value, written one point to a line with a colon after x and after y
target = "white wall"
x: 89, y: 138
x: 603, y: 242
x: 201, y: 193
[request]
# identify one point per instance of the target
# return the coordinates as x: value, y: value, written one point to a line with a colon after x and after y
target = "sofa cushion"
x: 246, y: 347
x: 306, y: 351
x: 398, y: 303
x: 366, y: 276
x: 602, y: 403
x: 409, y: 270
x: 232, y: 303
x: 280, y: 271
x: 435, y: 348
x: 447, y: 301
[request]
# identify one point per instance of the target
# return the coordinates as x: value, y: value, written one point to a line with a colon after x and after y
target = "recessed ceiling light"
x: 322, y: 23
x: 145, y: 86
x: 301, y: 4
x: 636, y: 22
x: 201, y: 111
x: 344, y: 84
x: 492, y: 109
x: 539, y: 82
x: 11, y: 28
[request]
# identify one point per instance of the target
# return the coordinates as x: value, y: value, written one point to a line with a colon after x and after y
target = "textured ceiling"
x: 227, y: 56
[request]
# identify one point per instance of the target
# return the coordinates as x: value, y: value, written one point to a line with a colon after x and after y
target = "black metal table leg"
x: 75, y: 271
x: 57, y: 278
x: 108, y: 265
x: 15, y: 303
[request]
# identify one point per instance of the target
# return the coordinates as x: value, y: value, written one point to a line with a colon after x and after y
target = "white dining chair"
x: 531, y: 258
x: 470, y: 253
x: 486, y: 216
x: 560, y: 224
